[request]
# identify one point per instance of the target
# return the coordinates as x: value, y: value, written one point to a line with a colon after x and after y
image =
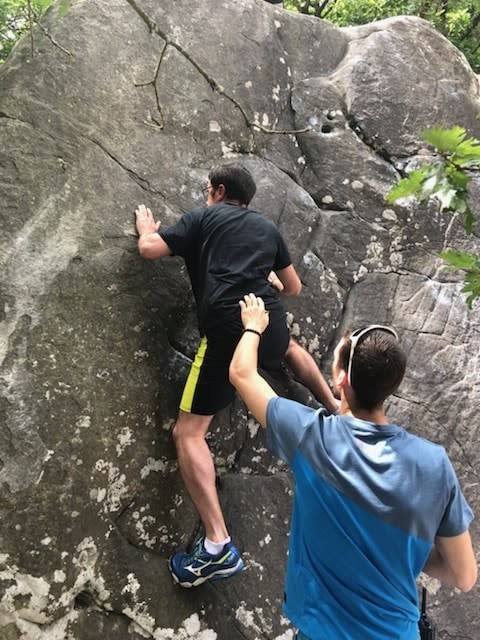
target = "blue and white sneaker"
x: 191, y: 569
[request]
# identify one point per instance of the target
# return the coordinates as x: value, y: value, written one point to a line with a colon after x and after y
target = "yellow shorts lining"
x: 191, y: 384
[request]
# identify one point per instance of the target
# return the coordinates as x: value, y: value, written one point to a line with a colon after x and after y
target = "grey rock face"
x: 130, y: 102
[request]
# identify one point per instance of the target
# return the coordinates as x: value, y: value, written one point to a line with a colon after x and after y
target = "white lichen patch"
x: 246, y: 618
x: 83, y: 422
x: 141, y: 529
x: 214, y: 126
x: 152, y: 466
x: 389, y: 214
x: 116, y: 488
x: 432, y: 585
x: 327, y: 199
x: 248, y: 84
x: 144, y: 624
x: 98, y: 494
x: 31, y: 591
x: 266, y: 540
x: 192, y: 625
x: 396, y: 260
x: 375, y: 251
x: 125, y: 438
x: 357, y: 185
x: 276, y: 93
x: 295, y: 329
x: 313, y: 344
x: 228, y: 150
x: 54, y: 631
x: 138, y: 613
x: 132, y: 586
x: 253, y: 427
x: 361, y: 273
x: 59, y: 576
x: 85, y: 563
x: 254, y: 565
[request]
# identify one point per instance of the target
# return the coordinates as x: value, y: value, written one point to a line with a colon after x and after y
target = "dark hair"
x: 378, y: 367
x: 237, y: 180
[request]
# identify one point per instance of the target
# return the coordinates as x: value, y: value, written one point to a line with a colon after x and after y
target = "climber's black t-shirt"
x: 229, y: 251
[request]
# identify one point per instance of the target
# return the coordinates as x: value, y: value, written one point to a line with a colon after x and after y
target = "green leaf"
x: 411, y: 185
x: 458, y: 178
x: 460, y: 259
x: 469, y: 263
x: 468, y: 150
x: 445, y: 139
x: 472, y: 287
x: 462, y: 151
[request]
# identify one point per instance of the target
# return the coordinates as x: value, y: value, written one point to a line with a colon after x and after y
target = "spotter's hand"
x: 254, y: 315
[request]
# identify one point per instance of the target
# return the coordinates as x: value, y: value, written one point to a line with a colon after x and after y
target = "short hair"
x: 378, y: 367
x: 237, y: 180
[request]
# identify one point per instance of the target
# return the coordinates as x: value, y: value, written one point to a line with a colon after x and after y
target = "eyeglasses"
x: 355, y: 337
x: 207, y: 190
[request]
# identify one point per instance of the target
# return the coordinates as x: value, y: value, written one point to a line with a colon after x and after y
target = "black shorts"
x: 208, y: 388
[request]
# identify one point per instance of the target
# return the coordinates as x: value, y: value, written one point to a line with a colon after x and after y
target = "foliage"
x: 447, y: 179
x: 469, y: 263
x: 16, y: 18
x: 458, y: 20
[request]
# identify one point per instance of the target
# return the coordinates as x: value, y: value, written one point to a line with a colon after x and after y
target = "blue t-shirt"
x: 369, y: 501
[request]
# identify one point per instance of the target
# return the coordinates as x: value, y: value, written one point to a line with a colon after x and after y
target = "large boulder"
x: 122, y: 103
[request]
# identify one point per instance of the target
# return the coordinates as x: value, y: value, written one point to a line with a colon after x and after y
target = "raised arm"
x: 252, y: 388
x: 150, y: 244
x: 452, y: 560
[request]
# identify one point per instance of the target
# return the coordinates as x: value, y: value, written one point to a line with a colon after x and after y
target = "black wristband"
x: 253, y: 331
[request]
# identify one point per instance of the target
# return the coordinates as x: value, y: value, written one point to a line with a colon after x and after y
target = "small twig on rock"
x: 251, y: 124
x: 52, y: 39
x: 153, y: 82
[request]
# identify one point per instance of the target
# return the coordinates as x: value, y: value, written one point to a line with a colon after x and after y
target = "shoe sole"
x: 221, y: 574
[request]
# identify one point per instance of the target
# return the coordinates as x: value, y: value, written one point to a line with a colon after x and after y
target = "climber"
x: 229, y: 250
